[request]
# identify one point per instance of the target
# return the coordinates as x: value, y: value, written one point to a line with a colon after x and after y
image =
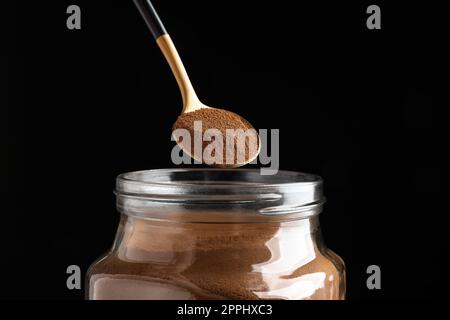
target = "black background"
x: 362, y: 108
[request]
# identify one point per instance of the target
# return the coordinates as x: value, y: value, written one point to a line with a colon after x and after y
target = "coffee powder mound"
x: 243, y: 145
x: 196, y: 261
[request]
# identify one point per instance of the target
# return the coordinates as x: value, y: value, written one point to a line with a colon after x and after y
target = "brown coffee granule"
x: 212, y: 118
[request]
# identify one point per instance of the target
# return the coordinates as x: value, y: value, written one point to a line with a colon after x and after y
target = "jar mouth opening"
x: 198, y: 179
x: 230, y: 191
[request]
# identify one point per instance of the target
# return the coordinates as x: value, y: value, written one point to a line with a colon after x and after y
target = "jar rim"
x: 246, y: 190
x: 282, y: 178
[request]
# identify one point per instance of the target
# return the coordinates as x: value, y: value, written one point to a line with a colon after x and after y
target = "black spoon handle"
x: 150, y: 16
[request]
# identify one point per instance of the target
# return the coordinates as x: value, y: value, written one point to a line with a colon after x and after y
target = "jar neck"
x: 219, y: 195
x: 167, y: 243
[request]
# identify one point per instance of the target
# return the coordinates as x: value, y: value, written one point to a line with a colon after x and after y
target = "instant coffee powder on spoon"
x: 213, y: 136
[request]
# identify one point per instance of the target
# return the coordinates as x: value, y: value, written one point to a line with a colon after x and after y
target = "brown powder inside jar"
x: 242, y: 144
x: 214, y: 262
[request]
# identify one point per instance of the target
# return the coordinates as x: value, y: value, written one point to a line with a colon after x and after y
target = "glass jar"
x: 218, y: 234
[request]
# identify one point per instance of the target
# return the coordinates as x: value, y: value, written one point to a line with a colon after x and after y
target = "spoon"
x: 191, y: 102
